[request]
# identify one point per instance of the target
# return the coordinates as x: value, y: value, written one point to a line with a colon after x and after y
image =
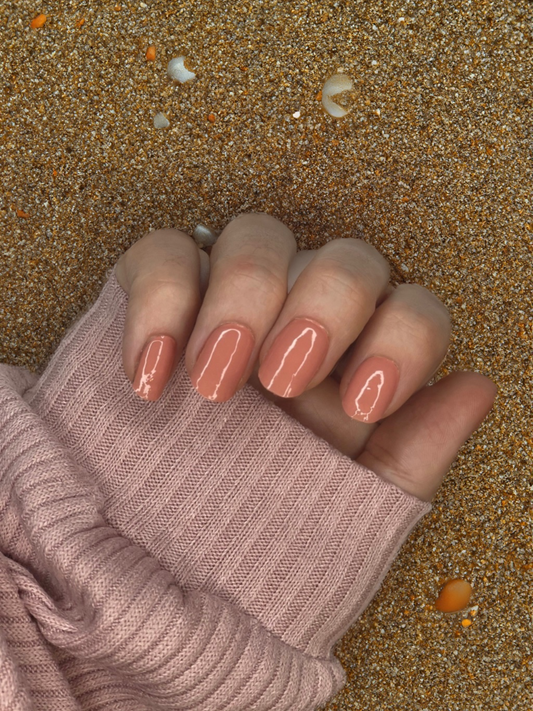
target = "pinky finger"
x: 416, y: 445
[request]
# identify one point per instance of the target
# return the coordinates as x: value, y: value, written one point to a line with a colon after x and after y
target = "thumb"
x: 416, y: 445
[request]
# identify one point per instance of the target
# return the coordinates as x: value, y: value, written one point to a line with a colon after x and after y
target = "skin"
x: 255, y: 276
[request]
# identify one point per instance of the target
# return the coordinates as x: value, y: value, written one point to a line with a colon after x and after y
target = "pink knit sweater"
x: 178, y: 554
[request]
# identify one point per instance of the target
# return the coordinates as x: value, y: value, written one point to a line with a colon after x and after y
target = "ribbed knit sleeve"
x: 181, y: 554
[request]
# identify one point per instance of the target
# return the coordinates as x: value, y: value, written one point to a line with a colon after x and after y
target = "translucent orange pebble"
x: 150, y: 54
x: 454, y: 596
x: 38, y: 21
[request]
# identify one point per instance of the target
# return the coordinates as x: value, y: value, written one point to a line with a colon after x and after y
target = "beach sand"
x: 432, y: 165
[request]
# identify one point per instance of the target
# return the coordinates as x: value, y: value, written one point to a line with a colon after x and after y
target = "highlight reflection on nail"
x: 155, y: 366
x: 294, y: 358
x: 371, y: 389
x: 222, y: 362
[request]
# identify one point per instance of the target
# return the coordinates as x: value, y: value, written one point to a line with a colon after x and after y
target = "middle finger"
x: 246, y: 290
x: 329, y: 305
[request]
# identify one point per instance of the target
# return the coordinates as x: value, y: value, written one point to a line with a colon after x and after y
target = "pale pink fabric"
x: 178, y: 554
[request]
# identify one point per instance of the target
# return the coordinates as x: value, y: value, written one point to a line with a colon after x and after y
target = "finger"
x: 161, y: 275
x: 329, y: 305
x: 320, y: 410
x: 247, y: 288
x: 298, y: 263
x: 205, y: 269
x: 415, y: 446
x: 397, y: 353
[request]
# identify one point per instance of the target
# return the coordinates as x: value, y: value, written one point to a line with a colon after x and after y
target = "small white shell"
x: 335, y: 85
x: 161, y: 121
x: 176, y: 70
x: 204, y: 236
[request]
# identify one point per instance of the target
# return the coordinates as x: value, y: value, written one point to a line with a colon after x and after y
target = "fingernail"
x: 294, y: 358
x: 222, y: 362
x: 371, y: 389
x: 155, y: 367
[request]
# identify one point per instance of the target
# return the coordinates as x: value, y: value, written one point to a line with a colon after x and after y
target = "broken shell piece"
x: 161, y: 121
x: 204, y: 236
x: 335, y: 85
x: 454, y: 596
x: 176, y: 70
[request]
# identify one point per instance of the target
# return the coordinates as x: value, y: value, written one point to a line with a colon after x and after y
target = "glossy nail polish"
x: 371, y: 389
x: 155, y: 367
x: 222, y: 361
x: 294, y: 358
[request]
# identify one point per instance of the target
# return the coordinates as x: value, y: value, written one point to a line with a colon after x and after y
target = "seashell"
x: 204, y: 236
x: 454, y: 596
x: 176, y: 70
x: 161, y: 121
x: 335, y: 85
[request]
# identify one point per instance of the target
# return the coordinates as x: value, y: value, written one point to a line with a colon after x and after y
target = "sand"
x: 432, y: 165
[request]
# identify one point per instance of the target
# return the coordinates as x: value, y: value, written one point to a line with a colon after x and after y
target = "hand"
x: 255, y: 283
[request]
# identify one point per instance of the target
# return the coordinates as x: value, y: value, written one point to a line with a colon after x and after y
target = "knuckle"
x: 433, y: 306
x: 360, y: 253
x: 257, y: 229
x: 167, y: 288
x: 165, y: 237
x: 424, y: 326
x: 247, y: 271
x: 251, y: 216
x: 254, y: 219
x: 335, y: 276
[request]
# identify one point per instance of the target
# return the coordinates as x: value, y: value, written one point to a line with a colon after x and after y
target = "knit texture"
x: 178, y: 554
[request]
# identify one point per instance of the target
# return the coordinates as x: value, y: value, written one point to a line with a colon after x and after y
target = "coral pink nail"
x: 294, y: 358
x: 155, y: 367
x: 371, y: 389
x: 223, y: 361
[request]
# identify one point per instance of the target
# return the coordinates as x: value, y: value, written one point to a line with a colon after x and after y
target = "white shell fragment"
x: 161, y: 121
x: 204, y: 236
x: 335, y: 85
x: 176, y: 70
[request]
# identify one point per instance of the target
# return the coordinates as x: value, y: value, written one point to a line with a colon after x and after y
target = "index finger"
x: 161, y: 275
x: 247, y: 289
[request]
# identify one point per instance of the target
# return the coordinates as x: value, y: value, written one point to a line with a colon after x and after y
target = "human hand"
x: 403, y: 430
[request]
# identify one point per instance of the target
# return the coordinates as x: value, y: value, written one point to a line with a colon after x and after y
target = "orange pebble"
x: 150, y: 54
x: 454, y: 596
x: 466, y: 623
x: 38, y: 21
x: 211, y: 118
x: 21, y: 213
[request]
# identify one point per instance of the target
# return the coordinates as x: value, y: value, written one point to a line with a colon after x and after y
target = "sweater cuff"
x: 236, y: 499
